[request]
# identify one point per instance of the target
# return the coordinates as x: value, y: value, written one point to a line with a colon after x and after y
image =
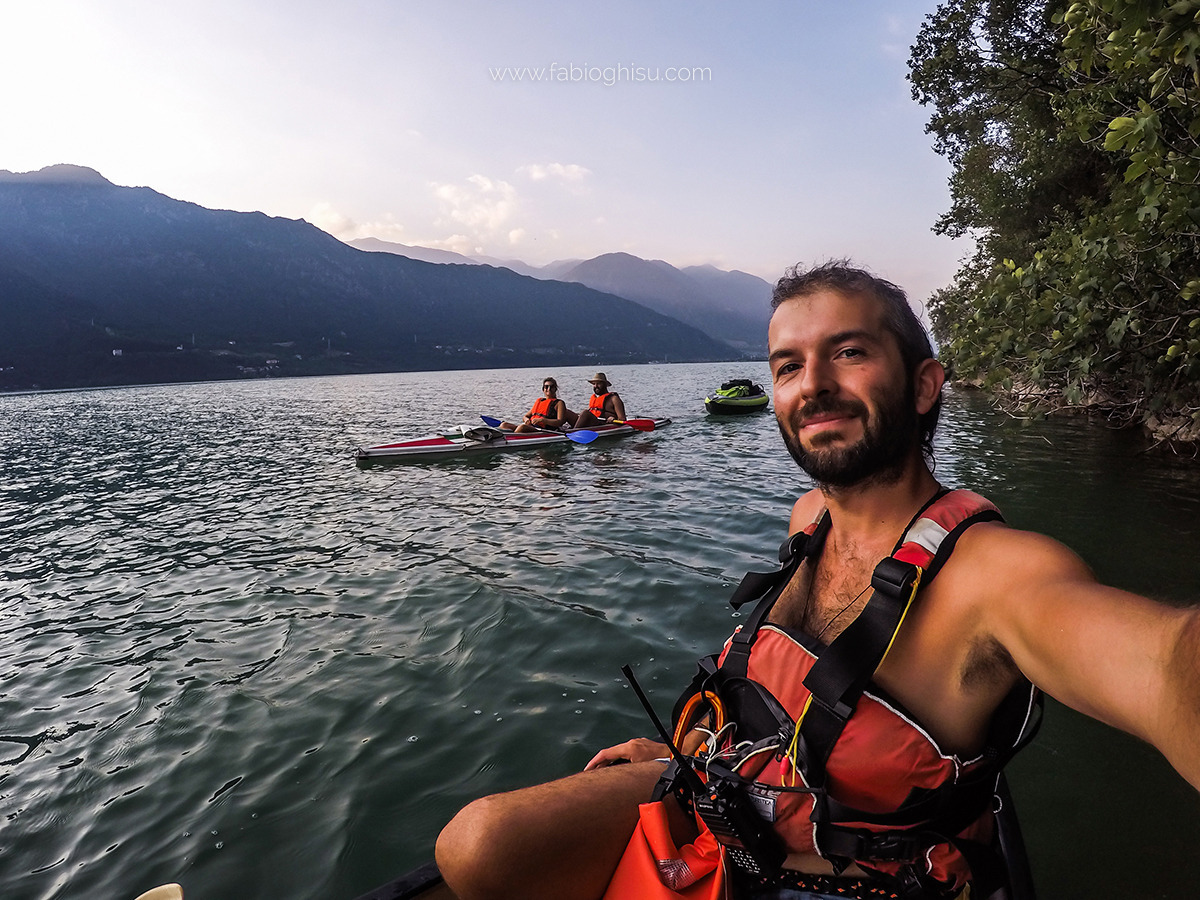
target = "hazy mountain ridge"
x: 729, y: 306
x: 424, y: 254
x: 548, y: 272
x: 184, y: 292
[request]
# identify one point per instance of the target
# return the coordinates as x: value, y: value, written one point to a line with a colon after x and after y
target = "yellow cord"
x: 907, y: 606
x: 794, y: 747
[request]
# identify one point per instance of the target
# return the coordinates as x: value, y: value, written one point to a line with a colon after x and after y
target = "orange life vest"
x: 885, y: 795
x: 543, y: 406
x: 596, y: 403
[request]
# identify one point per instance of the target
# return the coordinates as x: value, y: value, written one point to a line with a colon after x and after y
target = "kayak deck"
x: 459, y: 446
x: 424, y: 883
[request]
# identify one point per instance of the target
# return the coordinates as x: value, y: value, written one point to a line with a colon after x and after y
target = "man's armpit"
x: 988, y: 663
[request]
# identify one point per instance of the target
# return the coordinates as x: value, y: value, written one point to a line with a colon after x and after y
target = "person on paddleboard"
x: 604, y: 406
x: 548, y: 412
x: 896, y: 651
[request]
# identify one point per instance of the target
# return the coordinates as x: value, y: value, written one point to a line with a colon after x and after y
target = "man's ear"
x: 927, y: 384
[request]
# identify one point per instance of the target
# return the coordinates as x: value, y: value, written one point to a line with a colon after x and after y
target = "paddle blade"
x: 489, y: 420
x: 639, y: 424
x: 582, y: 437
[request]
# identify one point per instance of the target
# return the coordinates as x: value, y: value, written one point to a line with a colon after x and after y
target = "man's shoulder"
x: 999, y: 537
x: 806, y: 509
x: 993, y: 554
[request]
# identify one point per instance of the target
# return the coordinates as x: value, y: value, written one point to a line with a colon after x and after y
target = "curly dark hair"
x: 898, y: 318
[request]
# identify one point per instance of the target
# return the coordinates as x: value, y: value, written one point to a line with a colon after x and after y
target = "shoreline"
x: 1171, y: 429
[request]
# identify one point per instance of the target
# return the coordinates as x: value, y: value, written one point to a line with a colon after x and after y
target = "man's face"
x: 844, y: 402
x: 599, y: 387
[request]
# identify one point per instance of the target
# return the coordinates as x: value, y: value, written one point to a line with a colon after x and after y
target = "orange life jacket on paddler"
x: 596, y: 404
x: 544, y: 406
x: 882, y: 793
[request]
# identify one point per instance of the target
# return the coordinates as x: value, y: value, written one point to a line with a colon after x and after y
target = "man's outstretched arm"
x: 1121, y: 658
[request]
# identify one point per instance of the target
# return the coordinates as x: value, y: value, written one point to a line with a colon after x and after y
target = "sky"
x: 750, y: 135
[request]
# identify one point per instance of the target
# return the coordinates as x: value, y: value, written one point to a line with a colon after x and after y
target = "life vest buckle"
x: 887, y: 846
x: 894, y: 578
x: 895, y: 846
x: 839, y: 709
x: 794, y: 546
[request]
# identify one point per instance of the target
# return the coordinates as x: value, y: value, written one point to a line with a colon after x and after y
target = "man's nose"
x: 817, y: 379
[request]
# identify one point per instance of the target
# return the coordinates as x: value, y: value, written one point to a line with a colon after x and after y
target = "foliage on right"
x: 1074, y: 133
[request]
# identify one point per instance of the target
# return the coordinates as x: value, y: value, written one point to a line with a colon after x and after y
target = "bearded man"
x: 883, y: 782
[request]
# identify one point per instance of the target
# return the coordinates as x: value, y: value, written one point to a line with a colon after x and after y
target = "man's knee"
x: 560, y: 839
x: 469, y: 848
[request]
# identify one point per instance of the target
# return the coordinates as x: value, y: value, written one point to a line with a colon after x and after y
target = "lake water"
x: 231, y: 658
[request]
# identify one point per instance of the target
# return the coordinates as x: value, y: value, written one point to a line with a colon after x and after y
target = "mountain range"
x: 102, y: 284
x: 730, y: 306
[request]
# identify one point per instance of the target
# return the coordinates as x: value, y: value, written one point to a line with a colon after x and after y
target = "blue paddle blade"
x: 489, y: 420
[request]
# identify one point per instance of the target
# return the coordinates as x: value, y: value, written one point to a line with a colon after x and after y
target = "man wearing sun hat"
x: 604, y: 406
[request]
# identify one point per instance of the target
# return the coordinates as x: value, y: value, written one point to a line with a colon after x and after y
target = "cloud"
x: 459, y: 243
x: 342, y: 227
x: 514, y: 236
x: 483, y: 205
x: 328, y: 219
x: 570, y: 173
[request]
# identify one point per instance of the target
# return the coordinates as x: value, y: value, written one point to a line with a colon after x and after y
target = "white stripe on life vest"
x: 928, y: 533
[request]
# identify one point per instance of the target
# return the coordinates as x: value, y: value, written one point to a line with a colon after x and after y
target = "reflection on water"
x: 230, y: 657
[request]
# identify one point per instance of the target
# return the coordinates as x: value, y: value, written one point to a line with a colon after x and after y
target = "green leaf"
x: 1135, y: 171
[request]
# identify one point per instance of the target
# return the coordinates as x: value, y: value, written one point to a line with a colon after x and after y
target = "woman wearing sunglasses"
x: 547, y: 412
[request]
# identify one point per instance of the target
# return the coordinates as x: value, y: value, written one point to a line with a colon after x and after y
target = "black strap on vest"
x: 768, y: 586
x: 843, y: 671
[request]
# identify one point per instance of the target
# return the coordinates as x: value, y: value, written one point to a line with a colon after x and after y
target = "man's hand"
x: 637, y: 750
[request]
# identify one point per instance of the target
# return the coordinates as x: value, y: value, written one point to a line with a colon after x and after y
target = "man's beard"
x: 879, y: 456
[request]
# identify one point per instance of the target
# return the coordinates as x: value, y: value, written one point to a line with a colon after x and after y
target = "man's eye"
x: 786, y: 368
x: 850, y: 352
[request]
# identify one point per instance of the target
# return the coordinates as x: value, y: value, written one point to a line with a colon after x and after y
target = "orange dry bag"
x: 653, y: 868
